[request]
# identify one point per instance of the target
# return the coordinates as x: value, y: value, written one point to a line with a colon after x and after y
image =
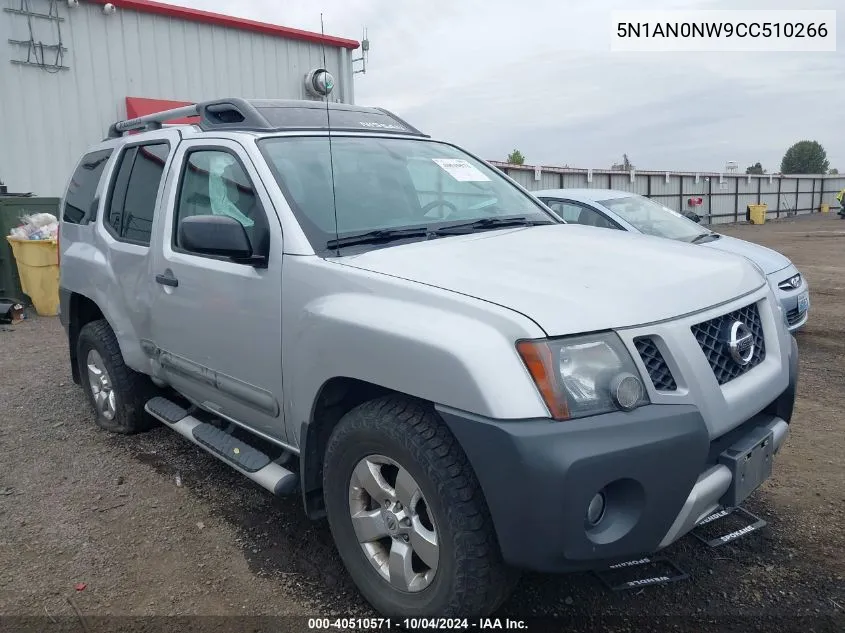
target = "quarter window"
x: 80, y: 200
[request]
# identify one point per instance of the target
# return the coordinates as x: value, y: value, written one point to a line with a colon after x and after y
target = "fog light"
x: 595, y: 511
x: 627, y: 391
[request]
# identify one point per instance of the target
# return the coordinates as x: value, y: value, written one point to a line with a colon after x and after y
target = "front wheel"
x: 408, y: 515
x: 116, y: 392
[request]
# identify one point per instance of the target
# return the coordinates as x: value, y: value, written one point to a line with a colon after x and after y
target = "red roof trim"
x: 218, y: 19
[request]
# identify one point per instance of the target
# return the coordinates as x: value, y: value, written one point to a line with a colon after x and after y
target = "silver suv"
x: 340, y: 307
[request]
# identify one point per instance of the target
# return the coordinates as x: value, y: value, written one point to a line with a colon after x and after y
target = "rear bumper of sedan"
x: 791, y: 299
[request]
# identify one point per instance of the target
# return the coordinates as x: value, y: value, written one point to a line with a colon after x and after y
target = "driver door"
x: 216, y: 324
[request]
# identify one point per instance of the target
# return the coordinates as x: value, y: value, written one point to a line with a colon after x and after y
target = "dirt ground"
x: 78, y: 505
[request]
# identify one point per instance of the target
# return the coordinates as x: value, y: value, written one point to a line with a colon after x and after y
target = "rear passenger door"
x: 216, y: 322
x: 129, y: 213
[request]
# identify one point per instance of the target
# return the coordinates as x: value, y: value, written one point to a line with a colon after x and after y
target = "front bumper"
x: 657, y: 467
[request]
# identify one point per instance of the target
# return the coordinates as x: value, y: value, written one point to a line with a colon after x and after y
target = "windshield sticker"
x: 461, y: 170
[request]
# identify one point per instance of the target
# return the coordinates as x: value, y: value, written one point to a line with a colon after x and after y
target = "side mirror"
x: 217, y: 235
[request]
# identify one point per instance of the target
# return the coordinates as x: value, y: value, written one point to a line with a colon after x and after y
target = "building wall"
x: 725, y: 196
x: 49, y: 116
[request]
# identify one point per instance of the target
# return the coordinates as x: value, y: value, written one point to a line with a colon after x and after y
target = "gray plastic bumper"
x: 705, y: 496
x: 656, y: 466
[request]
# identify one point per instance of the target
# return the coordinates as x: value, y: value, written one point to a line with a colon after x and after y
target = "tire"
x: 470, y: 579
x: 130, y: 390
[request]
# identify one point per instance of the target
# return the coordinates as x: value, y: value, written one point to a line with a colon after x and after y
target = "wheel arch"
x: 80, y: 311
x: 335, y: 398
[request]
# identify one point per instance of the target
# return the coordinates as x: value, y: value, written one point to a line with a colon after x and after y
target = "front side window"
x: 133, y: 199
x: 652, y: 218
x: 215, y: 183
x: 80, y: 201
x: 568, y: 211
x: 575, y: 213
x: 388, y: 183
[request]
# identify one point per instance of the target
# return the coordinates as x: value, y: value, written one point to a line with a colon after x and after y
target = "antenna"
x: 365, y: 47
x: 331, y: 155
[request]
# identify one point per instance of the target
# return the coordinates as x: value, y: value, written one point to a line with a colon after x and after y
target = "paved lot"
x: 78, y: 505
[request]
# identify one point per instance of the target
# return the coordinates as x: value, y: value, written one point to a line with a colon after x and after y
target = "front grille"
x: 711, y: 337
x: 793, y: 316
x: 654, y: 362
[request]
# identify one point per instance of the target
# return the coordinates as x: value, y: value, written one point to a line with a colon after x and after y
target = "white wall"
x: 48, y: 117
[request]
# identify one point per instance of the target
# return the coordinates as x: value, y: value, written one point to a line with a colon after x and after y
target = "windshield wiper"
x: 700, y: 237
x: 379, y: 236
x: 486, y: 223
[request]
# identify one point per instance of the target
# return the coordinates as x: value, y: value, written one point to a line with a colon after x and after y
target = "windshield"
x: 654, y: 219
x: 387, y: 184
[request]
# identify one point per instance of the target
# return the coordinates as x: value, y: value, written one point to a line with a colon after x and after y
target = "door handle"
x: 167, y: 279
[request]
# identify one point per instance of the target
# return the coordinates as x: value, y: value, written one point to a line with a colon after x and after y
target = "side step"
x: 735, y: 523
x: 246, y: 459
x: 644, y: 572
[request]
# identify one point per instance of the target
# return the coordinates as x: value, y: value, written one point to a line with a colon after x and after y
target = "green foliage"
x: 516, y: 158
x: 756, y: 168
x: 805, y: 157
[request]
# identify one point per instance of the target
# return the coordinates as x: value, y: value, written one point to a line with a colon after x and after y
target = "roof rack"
x: 151, y: 121
x: 273, y: 115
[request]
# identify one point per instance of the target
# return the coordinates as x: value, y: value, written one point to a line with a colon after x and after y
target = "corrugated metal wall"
x: 725, y: 196
x: 49, y: 115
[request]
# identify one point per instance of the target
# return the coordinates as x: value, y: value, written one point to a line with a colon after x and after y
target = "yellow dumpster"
x: 825, y: 207
x: 757, y: 213
x: 38, y: 269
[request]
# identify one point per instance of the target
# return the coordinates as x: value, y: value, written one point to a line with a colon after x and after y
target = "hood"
x: 571, y: 278
x: 767, y: 259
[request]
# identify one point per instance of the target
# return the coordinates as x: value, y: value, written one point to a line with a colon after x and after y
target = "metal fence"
x: 725, y: 197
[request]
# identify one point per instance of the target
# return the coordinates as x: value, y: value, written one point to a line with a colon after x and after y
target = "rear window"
x: 81, y: 200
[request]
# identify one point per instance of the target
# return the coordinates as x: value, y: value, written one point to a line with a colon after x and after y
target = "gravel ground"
x: 78, y: 505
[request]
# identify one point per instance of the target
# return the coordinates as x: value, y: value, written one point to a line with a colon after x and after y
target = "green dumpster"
x: 11, y: 210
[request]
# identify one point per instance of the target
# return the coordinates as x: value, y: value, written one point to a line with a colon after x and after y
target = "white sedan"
x: 622, y: 210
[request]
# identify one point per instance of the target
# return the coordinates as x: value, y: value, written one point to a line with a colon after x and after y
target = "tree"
x: 625, y: 165
x: 516, y: 158
x: 756, y: 168
x: 805, y: 157
x: 834, y: 172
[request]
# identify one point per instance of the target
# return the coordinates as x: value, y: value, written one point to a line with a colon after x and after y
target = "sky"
x: 538, y: 75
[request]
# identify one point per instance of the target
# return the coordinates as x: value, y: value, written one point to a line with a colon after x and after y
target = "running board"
x: 246, y: 459
x: 741, y: 521
x: 643, y: 572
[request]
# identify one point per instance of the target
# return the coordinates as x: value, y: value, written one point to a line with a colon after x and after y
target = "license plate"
x: 750, y: 463
x: 803, y: 303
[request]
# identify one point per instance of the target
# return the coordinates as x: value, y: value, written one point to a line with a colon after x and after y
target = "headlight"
x: 585, y: 375
x: 790, y: 284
